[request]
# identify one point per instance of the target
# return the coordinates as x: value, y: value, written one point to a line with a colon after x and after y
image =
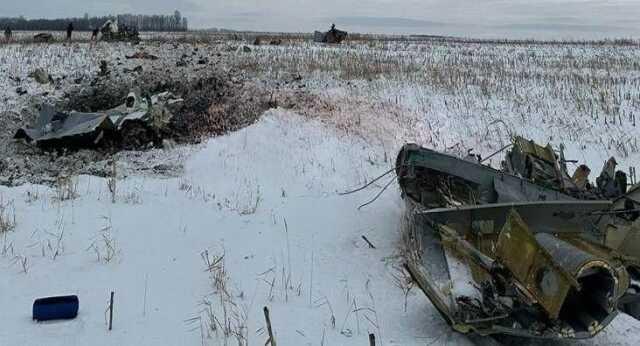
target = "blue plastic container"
x: 55, y: 308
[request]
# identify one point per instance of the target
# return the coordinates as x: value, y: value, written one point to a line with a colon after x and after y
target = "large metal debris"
x: 545, y: 167
x: 548, y: 255
x: 43, y: 37
x: 112, y: 31
x: 141, y: 55
x: 41, y: 76
x: 134, y: 123
x: 332, y: 36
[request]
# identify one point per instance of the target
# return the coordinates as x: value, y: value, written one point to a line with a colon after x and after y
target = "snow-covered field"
x: 256, y: 220
x: 263, y: 199
x: 476, y: 96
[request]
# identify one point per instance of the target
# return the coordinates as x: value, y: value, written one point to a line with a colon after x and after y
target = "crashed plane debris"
x: 141, y: 55
x: 41, y: 76
x: 136, y: 122
x: 543, y: 166
x: 543, y: 254
x: 332, y: 36
x: 43, y: 37
x: 112, y: 31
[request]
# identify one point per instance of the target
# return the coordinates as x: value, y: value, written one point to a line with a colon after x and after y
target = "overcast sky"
x: 475, y: 18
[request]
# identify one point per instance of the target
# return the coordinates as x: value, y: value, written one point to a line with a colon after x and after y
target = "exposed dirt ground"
x: 217, y: 99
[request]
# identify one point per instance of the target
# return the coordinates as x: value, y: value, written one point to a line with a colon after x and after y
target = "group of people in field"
x: 8, y: 33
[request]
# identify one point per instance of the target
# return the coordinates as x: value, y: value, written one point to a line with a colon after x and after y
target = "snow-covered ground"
x: 256, y: 218
x: 264, y: 202
x: 459, y: 97
x: 266, y: 199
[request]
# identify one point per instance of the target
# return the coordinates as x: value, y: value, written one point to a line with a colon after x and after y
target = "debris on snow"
x: 43, y: 37
x: 539, y: 249
x: 332, y: 36
x: 55, y: 308
x: 136, y: 122
x: 142, y: 55
x: 41, y: 76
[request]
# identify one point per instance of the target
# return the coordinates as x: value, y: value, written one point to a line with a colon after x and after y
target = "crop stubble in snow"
x: 232, y: 194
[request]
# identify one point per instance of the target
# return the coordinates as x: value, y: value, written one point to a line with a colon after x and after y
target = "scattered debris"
x: 274, y: 42
x: 217, y: 100
x: 332, y: 36
x: 545, y: 256
x: 542, y: 166
x: 135, y: 123
x: 611, y: 183
x: 142, y: 55
x: 55, y: 308
x: 104, y: 68
x: 43, y: 37
x: 371, y: 246
x: 137, y: 69
x: 41, y: 76
x: 111, y: 31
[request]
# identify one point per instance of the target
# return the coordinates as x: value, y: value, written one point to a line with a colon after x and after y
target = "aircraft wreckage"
x: 136, y: 122
x: 525, y: 251
x: 332, y: 36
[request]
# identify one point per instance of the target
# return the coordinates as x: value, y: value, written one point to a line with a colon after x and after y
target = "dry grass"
x: 66, y: 188
x: 112, y: 181
x: 7, y: 217
x: 244, y: 201
x: 221, y: 318
x: 465, y: 94
x: 105, y: 245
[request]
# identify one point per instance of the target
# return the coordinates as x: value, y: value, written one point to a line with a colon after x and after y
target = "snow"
x: 265, y: 199
x: 458, y: 97
x: 294, y: 167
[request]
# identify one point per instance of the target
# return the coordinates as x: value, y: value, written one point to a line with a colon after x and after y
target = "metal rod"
x: 497, y: 152
x: 368, y: 184
x: 111, y: 312
x: 378, y: 195
x: 615, y: 212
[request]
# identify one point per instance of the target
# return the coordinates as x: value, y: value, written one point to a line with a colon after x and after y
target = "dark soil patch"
x: 213, y: 104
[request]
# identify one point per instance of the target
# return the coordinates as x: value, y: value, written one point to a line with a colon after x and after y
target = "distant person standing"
x: 69, y: 31
x: 7, y: 34
x: 94, y: 34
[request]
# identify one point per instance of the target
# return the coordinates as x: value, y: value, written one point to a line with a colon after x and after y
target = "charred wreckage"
x: 136, y: 123
x: 545, y: 255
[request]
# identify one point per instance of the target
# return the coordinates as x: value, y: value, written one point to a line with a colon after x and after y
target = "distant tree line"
x: 174, y: 22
